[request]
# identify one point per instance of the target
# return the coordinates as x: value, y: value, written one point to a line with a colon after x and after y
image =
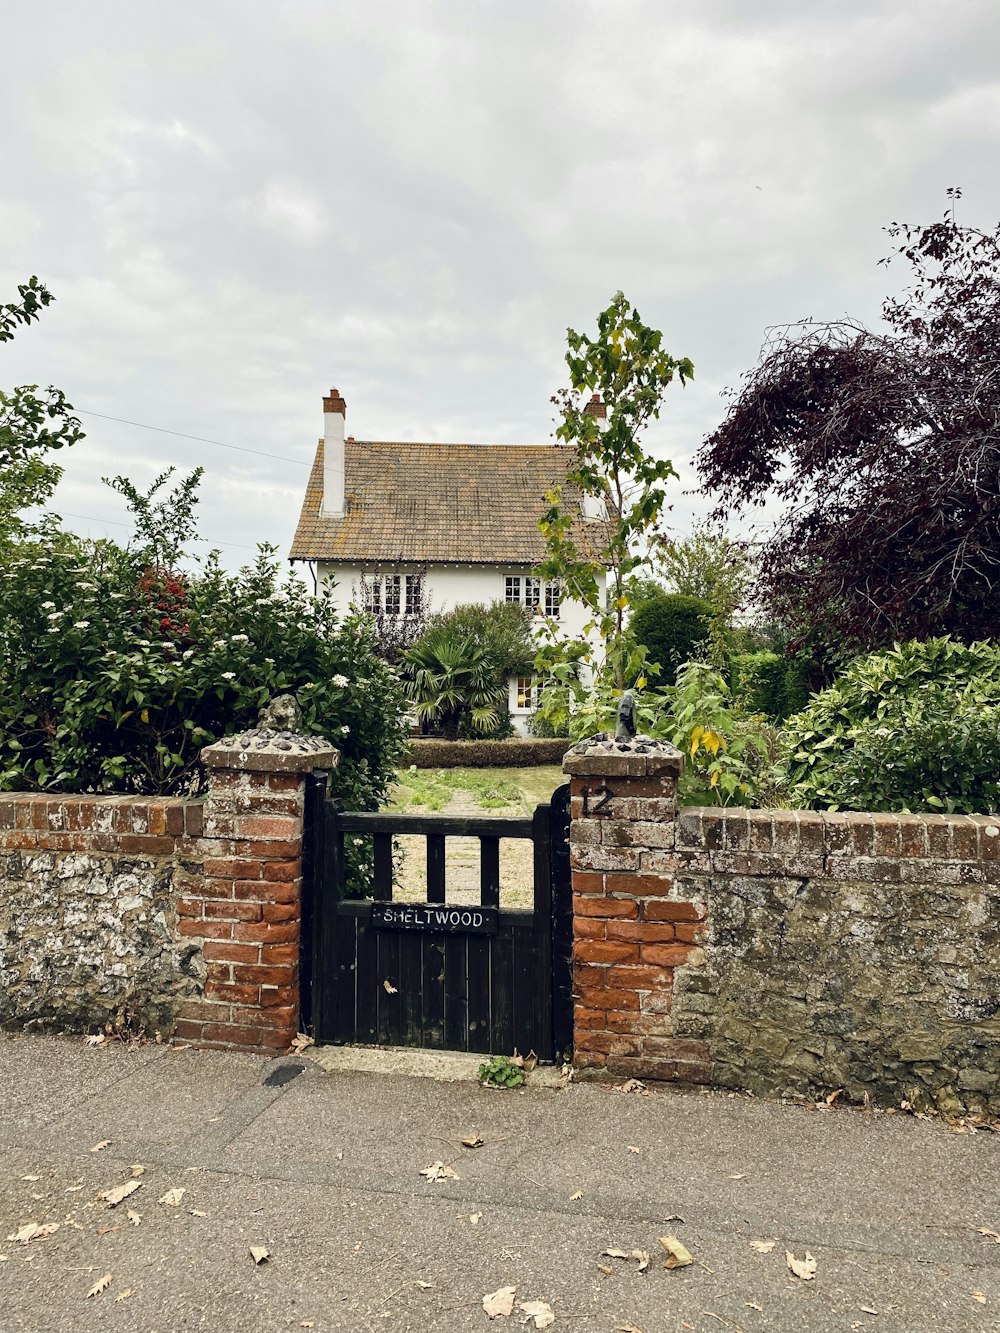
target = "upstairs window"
x: 414, y: 594
x: 512, y: 588
x: 392, y: 594
x: 553, y: 596
x: 371, y: 595
x: 537, y: 596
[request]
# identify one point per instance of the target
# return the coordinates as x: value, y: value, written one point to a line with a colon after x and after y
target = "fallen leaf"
x: 138, y: 1169
x: 31, y: 1178
x: 473, y: 1141
x: 308, y: 1323
x: 134, y: 1217
x: 196, y: 1212
x: 474, y: 1218
x: 643, y: 1257
x: 100, y: 1285
x: 424, y: 1286
x: 994, y: 1236
x: 531, y: 1063
x: 632, y: 1148
x: 124, y: 1295
x: 95, y: 1039
x: 499, y: 1302
x: 577, y: 1195
x: 613, y: 1252
x: 173, y: 1197
x: 763, y: 1246
x: 99, y: 1147
x: 34, y: 1231
x: 674, y: 1217
x: 107, y: 1231
x: 752, y: 1305
x: 740, y: 1175
x: 114, y: 1196
x: 259, y: 1254
x: 605, y: 1268
x: 438, y: 1171
x: 389, y: 988
x: 300, y: 1042
x: 802, y: 1268
x: 72, y: 1189
x: 630, y: 1085
x: 832, y: 1097
x: 538, y: 1311
x: 678, y: 1256
x: 979, y: 1296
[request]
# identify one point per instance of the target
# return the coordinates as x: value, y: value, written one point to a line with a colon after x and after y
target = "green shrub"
x: 768, y: 683
x: 672, y: 627
x: 116, y: 673
x: 914, y: 728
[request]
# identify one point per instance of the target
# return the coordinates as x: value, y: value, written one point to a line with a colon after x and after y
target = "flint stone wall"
x: 778, y: 951
x: 88, y: 913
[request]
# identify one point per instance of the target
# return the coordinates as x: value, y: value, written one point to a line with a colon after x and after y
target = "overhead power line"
x: 200, y: 439
x: 117, y: 523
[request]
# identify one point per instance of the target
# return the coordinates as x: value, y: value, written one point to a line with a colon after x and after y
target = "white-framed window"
x: 371, y: 589
x: 414, y: 594
x: 393, y: 583
x: 526, y: 690
x: 538, y: 596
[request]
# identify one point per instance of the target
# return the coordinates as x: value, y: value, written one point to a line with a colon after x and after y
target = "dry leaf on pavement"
x: 99, y: 1147
x: 474, y: 1218
x: 114, y: 1196
x: 95, y: 1039
x: 138, y: 1169
x: 424, y: 1286
x: 173, y: 1197
x: 630, y: 1085
x: 802, y: 1268
x: 577, y: 1195
x: 100, y: 1285
x: 678, y: 1256
x: 34, y: 1231
x: 499, y: 1302
x: 994, y: 1236
x: 438, y: 1171
x: 259, y: 1254
x: 31, y: 1178
x: 613, y: 1252
x: 643, y: 1257
x: 538, y: 1311
x: 300, y: 1042
x: 632, y: 1148
x: 473, y: 1141
x: 763, y: 1246
x: 979, y: 1296
x: 124, y: 1295
x: 606, y: 1269
x: 134, y: 1217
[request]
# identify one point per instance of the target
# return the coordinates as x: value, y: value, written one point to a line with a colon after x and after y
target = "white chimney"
x: 593, y: 506
x: 334, y: 419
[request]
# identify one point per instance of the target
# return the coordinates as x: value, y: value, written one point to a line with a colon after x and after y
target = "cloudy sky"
x: 238, y: 205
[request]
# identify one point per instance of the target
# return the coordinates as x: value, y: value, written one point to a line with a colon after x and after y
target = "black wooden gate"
x: 474, y: 977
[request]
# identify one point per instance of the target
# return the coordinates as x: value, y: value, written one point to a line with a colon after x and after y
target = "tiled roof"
x: 438, y: 503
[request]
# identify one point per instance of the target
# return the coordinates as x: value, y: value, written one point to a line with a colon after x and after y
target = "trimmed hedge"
x: 768, y: 683
x: 672, y: 627
x: 519, y: 753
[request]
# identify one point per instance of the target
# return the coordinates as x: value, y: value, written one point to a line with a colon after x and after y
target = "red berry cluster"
x: 163, y: 596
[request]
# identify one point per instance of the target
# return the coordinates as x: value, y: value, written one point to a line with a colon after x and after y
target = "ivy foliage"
x: 916, y: 728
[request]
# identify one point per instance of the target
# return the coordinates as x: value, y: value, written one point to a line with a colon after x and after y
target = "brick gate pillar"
x: 630, y: 928
x: 243, y: 899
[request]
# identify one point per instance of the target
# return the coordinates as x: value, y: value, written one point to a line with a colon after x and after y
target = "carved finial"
x: 281, y: 714
x: 625, y: 729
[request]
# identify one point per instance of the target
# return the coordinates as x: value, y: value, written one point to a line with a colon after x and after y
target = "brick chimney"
x: 597, y: 408
x: 334, y: 419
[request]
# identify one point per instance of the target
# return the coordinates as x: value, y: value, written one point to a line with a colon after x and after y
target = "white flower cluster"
x: 341, y: 682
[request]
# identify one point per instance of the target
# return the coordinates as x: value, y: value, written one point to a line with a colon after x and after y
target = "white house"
x: 394, y: 526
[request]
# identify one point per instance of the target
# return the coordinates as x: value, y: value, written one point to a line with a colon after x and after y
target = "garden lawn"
x: 500, y: 791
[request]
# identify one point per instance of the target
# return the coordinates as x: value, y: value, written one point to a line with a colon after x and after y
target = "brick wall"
x: 782, y: 951
x: 179, y: 916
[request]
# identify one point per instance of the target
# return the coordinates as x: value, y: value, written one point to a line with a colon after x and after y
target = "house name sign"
x: 435, y: 916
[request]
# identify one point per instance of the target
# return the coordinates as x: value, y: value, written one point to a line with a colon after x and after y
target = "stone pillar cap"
x: 639, y: 757
x: 264, y: 750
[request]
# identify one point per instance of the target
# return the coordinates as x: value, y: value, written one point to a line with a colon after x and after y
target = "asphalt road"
x: 324, y: 1172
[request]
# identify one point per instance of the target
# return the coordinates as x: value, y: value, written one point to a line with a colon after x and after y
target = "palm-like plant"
x: 447, y: 677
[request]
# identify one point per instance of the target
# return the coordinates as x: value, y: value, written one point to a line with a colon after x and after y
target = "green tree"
x: 627, y: 368
x: 708, y: 565
x: 673, y: 628
x: 31, y: 424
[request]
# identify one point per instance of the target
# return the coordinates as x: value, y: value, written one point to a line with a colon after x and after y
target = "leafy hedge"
x: 116, y: 673
x: 768, y: 683
x: 915, y: 728
x: 672, y: 627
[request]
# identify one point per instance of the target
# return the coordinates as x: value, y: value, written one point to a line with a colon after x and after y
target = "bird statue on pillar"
x: 625, y: 728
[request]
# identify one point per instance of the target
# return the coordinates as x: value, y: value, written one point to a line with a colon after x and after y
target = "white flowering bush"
x: 116, y: 672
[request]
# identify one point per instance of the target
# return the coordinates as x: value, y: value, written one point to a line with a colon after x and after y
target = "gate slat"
x: 501, y: 989
x: 411, y: 989
x: 432, y: 957
x: 382, y: 847
x: 435, y: 867
x: 489, y: 872
x: 387, y: 1003
x: 456, y: 993
x: 366, y: 982
x: 480, y: 1019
